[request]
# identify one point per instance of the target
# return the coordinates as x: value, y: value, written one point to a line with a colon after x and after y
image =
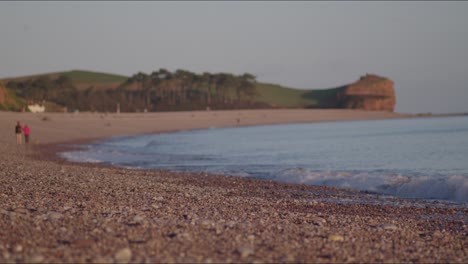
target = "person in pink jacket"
x: 26, y: 132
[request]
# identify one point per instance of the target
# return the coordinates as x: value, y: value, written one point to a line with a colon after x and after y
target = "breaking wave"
x: 453, y: 187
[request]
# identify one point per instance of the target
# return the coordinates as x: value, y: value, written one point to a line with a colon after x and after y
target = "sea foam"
x: 453, y: 187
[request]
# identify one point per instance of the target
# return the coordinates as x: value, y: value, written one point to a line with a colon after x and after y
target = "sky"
x: 421, y: 46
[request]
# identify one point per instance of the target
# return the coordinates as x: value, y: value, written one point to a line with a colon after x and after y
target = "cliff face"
x: 370, y: 92
x: 7, y: 102
x: 3, y: 94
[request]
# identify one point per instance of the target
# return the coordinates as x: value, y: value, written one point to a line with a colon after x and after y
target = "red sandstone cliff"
x: 3, y: 94
x: 7, y: 102
x: 370, y: 92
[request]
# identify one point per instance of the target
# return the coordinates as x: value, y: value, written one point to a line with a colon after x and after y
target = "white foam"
x: 453, y: 187
x: 79, y: 156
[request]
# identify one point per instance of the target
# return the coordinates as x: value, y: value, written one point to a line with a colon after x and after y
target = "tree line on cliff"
x: 160, y: 90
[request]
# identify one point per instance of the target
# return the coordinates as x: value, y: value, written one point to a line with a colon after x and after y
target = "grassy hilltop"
x: 163, y: 90
x: 275, y: 95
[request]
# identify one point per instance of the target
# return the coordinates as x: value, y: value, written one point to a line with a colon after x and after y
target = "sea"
x: 417, y: 158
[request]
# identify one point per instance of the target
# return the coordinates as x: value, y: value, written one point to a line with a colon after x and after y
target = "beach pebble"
x: 137, y: 239
x: 318, y: 221
x: 18, y: 248
x: 54, y: 216
x: 36, y: 258
x: 6, y: 255
x: 335, y: 238
x: 390, y: 227
x: 138, y: 219
x: 231, y: 224
x: 101, y: 259
x: 207, y: 224
x: 244, y: 251
x: 123, y: 256
x: 21, y: 210
x: 159, y: 198
x: 84, y: 243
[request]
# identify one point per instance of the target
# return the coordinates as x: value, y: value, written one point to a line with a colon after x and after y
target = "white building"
x: 36, y: 108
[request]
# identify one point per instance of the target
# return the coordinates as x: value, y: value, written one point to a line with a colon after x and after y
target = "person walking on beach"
x: 18, y: 132
x: 26, y: 132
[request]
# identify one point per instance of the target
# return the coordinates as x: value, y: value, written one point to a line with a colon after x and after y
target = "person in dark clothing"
x: 18, y: 132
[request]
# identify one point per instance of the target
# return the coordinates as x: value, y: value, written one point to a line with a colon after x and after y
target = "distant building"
x: 35, y: 108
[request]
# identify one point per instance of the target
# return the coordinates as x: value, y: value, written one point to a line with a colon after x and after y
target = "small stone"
x: 21, y: 210
x: 290, y: 258
x: 136, y: 239
x: 159, y: 198
x: 123, y: 255
x: 54, y: 216
x: 138, y: 219
x: 336, y: 238
x: 207, y: 224
x: 6, y: 255
x: 244, y: 252
x: 185, y: 236
x: 318, y: 221
x: 64, y: 241
x: 438, y: 234
x: 231, y: 224
x: 390, y: 227
x: 32, y: 208
x: 84, y: 243
x: 36, y: 258
x: 101, y: 259
x: 18, y: 249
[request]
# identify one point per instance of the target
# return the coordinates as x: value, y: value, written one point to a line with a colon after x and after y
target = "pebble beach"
x: 56, y: 211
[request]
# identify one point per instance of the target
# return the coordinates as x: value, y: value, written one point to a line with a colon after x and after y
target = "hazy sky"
x: 421, y: 46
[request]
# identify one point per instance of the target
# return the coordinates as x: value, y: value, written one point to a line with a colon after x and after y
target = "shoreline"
x: 49, y: 127
x: 53, y: 152
x: 58, y: 211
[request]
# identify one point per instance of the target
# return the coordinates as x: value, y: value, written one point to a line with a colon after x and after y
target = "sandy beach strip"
x: 57, y: 211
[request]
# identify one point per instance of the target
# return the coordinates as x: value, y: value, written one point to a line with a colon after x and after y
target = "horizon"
x: 421, y: 46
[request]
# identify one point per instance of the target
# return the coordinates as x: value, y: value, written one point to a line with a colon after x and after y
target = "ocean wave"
x: 79, y: 156
x: 454, y: 187
x: 152, y: 143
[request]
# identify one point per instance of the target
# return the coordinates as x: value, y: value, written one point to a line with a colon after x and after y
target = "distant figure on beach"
x: 26, y: 132
x: 18, y: 132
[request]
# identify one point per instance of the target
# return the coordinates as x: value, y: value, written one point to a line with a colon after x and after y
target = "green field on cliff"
x: 281, y: 96
x: 93, y: 77
x: 272, y: 94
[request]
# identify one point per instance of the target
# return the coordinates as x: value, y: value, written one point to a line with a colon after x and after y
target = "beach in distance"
x: 63, y: 127
x: 54, y: 210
